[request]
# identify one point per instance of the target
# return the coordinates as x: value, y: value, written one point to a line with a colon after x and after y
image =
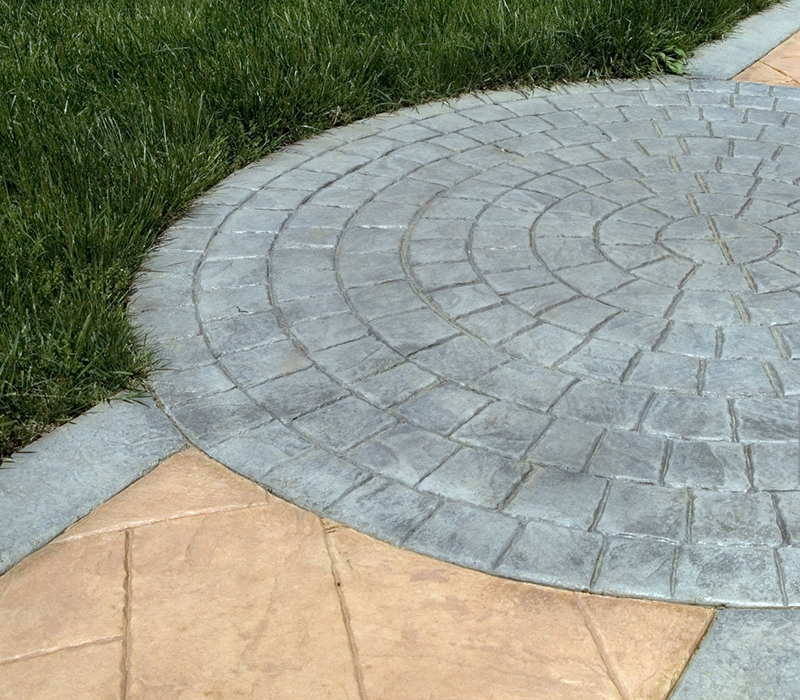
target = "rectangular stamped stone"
x: 297, y: 393
x: 749, y: 342
x: 689, y: 417
x: 690, y: 339
x: 544, y: 344
x: 642, y: 509
x: 580, y: 315
x: 369, y: 240
x: 636, y: 567
x: 229, y: 303
x: 227, y: 245
x: 524, y: 384
x: 383, y: 508
x: 242, y: 332
x: 553, y: 555
x: 737, y: 378
x: 498, y: 323
x: 443, y: 408
x: 604, y: 404
x: 776, y: 465
x: 254, y: 453
x: 343, y: 424
x: 405, y: 453
x: 257, y: 365
x: 310, y: 308
x: 559, y: 497
x: 179, y: 387
x: 475, y: 476
x: 321, y: 333
x: 735, y: 575
x: 366, y: 270
x: 734, y: 518
x: 708, y: 465
x: 768, y: 420
x: 567, y: 444
x: 410, y: 331
x: 437, y: 250
x: 533, y: 275
x: 595, y: 278
x: 540, y: 298
x: 464, y: 535
x: 665, y: 371
x: 358, y: 359
x: 628, y: 455
x: 642, y: 297
x: 288, y: 285
x: 601, y: 359
x: 460, y: 359
x: 314, y: 480
x: 457, y: 301
x: 385, y: 299
x: 209, y: 420
x: 439, y: 275
x: 503, y: 427
x: 394, y: 385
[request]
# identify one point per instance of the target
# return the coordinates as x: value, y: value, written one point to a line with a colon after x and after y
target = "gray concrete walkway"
x: 551, y: 337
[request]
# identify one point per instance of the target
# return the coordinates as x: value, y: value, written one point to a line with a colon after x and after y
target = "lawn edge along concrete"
x: 753, y: 38
x: 66, y: 474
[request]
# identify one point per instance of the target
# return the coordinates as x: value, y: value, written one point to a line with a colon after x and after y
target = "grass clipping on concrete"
x: 114, y: 115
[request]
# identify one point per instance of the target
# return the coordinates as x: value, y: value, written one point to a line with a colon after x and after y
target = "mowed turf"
x: 114, y: 114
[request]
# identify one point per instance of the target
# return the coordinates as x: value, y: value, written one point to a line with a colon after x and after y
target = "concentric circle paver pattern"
x: 554, y: 337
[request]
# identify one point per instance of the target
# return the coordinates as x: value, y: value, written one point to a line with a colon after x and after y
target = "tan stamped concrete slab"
x: 194, y: 583
x: 781, y: 66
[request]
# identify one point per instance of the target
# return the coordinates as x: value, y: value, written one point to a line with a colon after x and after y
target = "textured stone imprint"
x: 553, y: 337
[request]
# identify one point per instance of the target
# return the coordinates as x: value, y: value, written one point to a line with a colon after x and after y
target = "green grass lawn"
x: 114, y: 114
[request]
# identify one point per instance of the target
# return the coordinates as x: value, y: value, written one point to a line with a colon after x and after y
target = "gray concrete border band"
x: 752, y: 39
x: 67, y: 473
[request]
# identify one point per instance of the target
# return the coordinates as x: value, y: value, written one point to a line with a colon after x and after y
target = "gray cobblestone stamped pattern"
x: 550, y: 336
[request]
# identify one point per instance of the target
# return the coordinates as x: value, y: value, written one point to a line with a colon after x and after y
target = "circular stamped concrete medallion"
x: 553, y: 337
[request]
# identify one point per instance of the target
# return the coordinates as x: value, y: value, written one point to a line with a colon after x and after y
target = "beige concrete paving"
x: 196, y: 583
x: 781, y: 66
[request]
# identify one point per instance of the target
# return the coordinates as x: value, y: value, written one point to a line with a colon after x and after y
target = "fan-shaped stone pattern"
x: 552, y: 337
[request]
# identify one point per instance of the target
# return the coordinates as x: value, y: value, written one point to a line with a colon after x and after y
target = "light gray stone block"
x: 739, y: 576
x: 553, y: 555
x: 734, y: 518
x: 475, y: 476
x: 464, y: 535
x: 558, y: 496
x: 640, y: 509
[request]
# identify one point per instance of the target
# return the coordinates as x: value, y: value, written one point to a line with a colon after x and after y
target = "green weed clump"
x: 114, y: 114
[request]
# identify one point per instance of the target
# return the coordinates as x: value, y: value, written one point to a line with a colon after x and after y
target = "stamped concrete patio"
x: 551, y: 337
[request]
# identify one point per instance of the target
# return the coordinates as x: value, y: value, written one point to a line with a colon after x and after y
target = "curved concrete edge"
x: 65, y: 474
x: 753, y: 38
